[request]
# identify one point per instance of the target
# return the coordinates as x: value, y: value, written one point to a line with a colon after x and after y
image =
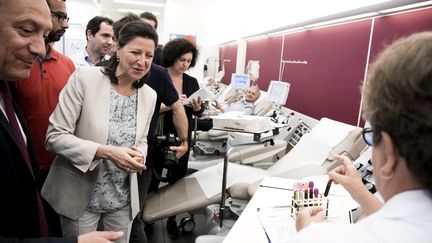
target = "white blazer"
x: 78, y: 125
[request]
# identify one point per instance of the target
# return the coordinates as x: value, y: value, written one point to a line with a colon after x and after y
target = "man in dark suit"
x: 23, y: 27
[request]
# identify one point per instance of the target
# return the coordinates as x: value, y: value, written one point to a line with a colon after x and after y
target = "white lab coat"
x: 406, y: 217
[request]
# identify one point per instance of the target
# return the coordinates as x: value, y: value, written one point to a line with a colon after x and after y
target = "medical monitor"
x: 240, y: 81
x: 277, y: 92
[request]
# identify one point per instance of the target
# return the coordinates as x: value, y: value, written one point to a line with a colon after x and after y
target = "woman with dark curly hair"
x: 178, y: 56
x: 398, y: 105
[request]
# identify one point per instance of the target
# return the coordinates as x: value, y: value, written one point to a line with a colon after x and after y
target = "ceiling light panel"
x: 136, y: 11
x: 141, y: 3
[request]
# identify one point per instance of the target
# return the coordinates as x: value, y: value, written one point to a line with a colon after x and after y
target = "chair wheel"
x: 187, y: 224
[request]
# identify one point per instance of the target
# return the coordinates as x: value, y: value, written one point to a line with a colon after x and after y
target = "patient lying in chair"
x: 245, y: 106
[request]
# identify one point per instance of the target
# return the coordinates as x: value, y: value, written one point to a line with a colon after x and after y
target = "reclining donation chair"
x: 308, y: 157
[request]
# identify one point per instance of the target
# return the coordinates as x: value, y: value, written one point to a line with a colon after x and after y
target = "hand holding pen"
x: 347, y: 175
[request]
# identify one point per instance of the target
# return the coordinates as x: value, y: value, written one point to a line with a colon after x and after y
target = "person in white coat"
x: 397, y: 103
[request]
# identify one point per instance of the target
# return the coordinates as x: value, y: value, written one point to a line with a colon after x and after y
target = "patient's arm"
x: 218, y: 106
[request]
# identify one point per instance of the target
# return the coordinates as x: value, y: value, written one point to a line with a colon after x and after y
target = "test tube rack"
x: 298, y: 204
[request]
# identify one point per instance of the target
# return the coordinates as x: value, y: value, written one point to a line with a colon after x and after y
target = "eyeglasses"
x: 370, y: 134
x: 60, y: 16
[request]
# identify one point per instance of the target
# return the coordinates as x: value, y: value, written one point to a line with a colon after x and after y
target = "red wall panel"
x: 268, y: 52
x: 329, y: 84
x: 228, y: 52
x: 389, y: 28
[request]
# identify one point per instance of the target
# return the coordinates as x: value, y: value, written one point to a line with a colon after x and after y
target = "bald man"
x: 24, y: 26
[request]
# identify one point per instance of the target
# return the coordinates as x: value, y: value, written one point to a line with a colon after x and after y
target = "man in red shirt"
x: 37, y: 96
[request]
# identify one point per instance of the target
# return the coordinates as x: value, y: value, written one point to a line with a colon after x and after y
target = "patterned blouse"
x: 112, y: 190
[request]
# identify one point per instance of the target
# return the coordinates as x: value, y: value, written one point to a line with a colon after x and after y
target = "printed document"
x: 204, y: 93
x: 278, y: 224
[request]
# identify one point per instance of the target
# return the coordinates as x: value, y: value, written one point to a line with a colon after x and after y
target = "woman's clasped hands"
x: 127, y: 159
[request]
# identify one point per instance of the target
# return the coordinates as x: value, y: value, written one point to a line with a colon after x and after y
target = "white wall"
x: 218, y: 21
x: 241, y: 18
x: 79, y: 12
x: 189, y: 17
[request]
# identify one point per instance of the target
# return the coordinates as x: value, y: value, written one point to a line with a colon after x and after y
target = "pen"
x: 282, y: 206
x: 267, y: 236
x: 327, y: 190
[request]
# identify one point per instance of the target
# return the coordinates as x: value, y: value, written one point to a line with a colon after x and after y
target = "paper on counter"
x: 278, y: 224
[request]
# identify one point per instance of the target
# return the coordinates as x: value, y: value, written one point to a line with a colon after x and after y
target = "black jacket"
x: 19, y: 215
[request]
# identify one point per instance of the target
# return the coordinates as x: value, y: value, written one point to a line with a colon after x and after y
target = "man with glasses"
x: 37, y: 96
x: 60, y: 16
x: 99, y: 35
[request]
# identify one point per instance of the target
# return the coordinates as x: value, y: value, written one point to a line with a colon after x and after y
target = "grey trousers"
x: 119, y: 220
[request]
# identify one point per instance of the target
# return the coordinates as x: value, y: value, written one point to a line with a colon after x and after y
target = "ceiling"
x: 285, y: 17
x: 114, y: 8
